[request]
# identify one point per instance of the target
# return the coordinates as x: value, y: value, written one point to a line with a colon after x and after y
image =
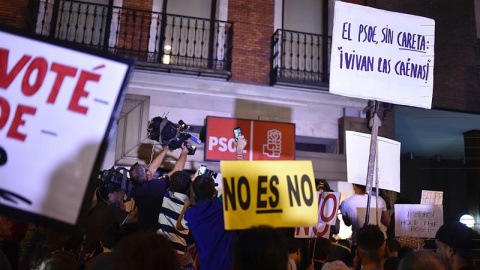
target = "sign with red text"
x: 273, y: 193
x: 265, y: 140
x: 57, y: 107
x: 382, y: 55
x: 418, y: 220
x: 328, y: 204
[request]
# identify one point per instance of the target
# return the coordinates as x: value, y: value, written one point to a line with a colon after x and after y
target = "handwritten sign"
x: 328, y: 204
x: 418, y: 220
x: 431, y: 197
x: 57, y: 107
x: 382, y: 55
x: 274, y: 193
x: 388, y: 169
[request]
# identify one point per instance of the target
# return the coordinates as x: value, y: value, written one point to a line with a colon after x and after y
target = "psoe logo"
x: 273, y: 147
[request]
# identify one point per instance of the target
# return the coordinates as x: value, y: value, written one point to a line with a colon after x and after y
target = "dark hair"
x: 370, y: 239
x: 422, y: 260
x: 321, y: 248
x: 361, y: 187
x: 138, y: 175
x: 393, y: 245
x: 180, y: 182
x: 204, y: 187
x: 261, y: 248
x: 145, y: 250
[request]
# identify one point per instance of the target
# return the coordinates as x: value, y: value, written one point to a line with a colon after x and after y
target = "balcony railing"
x: 159, y: 41
x: 300, y: 59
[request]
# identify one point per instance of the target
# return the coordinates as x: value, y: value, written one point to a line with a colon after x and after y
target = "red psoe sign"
x: 265, y: 140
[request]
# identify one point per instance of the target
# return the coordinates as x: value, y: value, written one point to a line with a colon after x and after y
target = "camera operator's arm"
x: 240, y: 145
x: 157, y: 161
x: 187, y: 204
x: 180, y: 164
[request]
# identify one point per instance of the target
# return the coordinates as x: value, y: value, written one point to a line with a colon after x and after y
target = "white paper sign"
x: 388, y: 169
x: 56, y: 105
x: 431, y: 197
x: 328, y: 204
x: 382, y: 55
x: 418, y: 220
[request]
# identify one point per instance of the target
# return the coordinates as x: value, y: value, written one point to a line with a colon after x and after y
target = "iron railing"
x: 300, y: 59
x: 165, y: 40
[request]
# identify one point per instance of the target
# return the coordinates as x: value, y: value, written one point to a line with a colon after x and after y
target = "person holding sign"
x: 353, y: 211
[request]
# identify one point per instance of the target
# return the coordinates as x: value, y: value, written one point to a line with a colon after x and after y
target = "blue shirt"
x: 215, y: 246
x: 149, y: 198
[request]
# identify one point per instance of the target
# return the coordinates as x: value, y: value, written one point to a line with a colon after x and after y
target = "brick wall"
x: 253, y: 30
x: 14, y: 14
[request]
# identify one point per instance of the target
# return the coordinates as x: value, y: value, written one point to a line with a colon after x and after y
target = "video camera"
x: 160, y: 129
x: 114, y: 179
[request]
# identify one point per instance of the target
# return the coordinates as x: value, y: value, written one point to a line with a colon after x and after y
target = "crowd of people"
x: 178, y: 223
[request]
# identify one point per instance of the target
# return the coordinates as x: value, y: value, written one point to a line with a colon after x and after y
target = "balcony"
x: 162, y: 42
x: 300, y: 59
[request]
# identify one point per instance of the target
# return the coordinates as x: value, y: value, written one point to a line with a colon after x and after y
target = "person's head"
x: 6, y: 227
x: 180, y: 182
x: 455, y: 242
x: 320, y: 248
x: 110, y: 193
x: 144, y: 250
x: 335, y: 265
x: 139, y: 174
x: 261, y: 248
x: 359, y: 189
x: 204, y: 187
x: 370, y: 243
x: 422, y: 259
x: 393, y: 246
x: 322, y: 184
x: 295, y: 248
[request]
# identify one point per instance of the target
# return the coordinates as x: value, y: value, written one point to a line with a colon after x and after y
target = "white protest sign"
x: 328, y: 204
x: 431, y: 197
x: 57, y: 107
x: 388, y: 169
x: 418, y: 220
x: 382, y: 55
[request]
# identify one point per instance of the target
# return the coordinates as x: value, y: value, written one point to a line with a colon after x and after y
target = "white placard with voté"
x: 418, y: 220
x: 57, y: 107
x: 388, y: 169
x: 382, y: 55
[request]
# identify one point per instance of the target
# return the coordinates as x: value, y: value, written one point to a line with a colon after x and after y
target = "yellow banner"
x: 274, y: 193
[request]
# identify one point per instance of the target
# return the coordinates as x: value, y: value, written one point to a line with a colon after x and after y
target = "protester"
x: 370, y: 248
x: 144, y: 250
x: 455, y: 244
x: 148, y: 192
x: 261, y: 248
x: 352, y: 217
x: 335, y: 265
x: 423, y: 260
x: 215, y: 245
x: 173, y: 204
x: 320, y: 250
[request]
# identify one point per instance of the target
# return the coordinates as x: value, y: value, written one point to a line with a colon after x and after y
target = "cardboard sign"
x: 388, y: 169
x: 418, y: 220
x: 328, y: 204
x: 265, y: 140
x: 57, y: 107
x: 431, y: 197
x: 274, y: 193
x: 382, y: 55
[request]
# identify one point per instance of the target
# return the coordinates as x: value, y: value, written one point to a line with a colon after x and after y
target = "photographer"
x: 107, y: 213
x: 148, y: 193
